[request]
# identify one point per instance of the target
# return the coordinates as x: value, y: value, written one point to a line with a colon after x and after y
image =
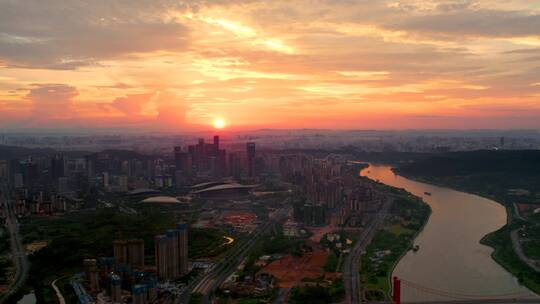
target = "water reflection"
x: 450, y: 256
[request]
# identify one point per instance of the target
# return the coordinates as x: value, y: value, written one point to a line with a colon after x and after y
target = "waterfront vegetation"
x: 504, y: 254
x: 507, y: 177
x: 406, y: 218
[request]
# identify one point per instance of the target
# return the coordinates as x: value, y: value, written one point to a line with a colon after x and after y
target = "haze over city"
x: 178, y: 65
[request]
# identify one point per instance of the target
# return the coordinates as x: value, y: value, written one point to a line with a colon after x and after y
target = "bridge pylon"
x: 396, y: 290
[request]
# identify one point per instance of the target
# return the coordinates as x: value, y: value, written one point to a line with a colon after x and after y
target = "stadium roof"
x: 208, y: 184
x: 162, y: 200
x: 226, y: 187
x: 141, y: 191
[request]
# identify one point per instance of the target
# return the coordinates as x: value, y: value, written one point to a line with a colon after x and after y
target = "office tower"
x: 18, y: 180
x: 216, y: 143
x: 235, y: 166
x: 250, y: 152
x: 183, y: 261
x: 160, y: 244
x: 4, y: 170
x: 90, y: 167
x: 183, y: 161
x: 122, y: 183
x: 172, y: 253
x: 63, y: 186
x: 92, y: 276
x: 120, y: 251
x: 57, y: 166
x: 105, y: 177
x: 116, y: 288
x: 139, y: 294
x: 136, y: 253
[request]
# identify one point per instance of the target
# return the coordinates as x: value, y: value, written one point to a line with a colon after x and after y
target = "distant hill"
x: 477, y: 162
x: 488, y: 173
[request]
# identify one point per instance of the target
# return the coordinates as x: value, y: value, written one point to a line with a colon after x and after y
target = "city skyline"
x: 178, y: 66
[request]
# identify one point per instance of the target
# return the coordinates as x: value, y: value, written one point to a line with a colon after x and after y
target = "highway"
x: 351, y: 265
x: 215, y: 276
x: 17, y: 250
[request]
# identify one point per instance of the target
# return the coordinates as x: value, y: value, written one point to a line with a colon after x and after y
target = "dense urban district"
x: 198, y: 223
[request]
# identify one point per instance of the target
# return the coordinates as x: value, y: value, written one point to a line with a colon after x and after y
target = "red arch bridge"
x: 448, y: 297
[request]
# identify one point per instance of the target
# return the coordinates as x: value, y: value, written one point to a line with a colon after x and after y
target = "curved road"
x: 518, y: 249
x: 59, y: 295
x: 18, y: 252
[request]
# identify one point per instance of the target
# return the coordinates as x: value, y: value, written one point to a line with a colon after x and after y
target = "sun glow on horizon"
x: 219, y: 123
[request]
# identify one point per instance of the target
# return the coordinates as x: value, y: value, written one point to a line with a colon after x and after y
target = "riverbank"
x: 407, y: 218
x: 500, y: 240
x: 449, y: 244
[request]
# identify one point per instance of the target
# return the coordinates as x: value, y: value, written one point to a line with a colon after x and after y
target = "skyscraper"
x: 172, y: 253
x: 120, y: 251
x: 116, y: 288
x: 136, y: 253
x: 250, y: 153
x: 216, y: 142
x: 160, y: 242
x: 183, y: 262
x: 139, y: 294
x: 91, y: 271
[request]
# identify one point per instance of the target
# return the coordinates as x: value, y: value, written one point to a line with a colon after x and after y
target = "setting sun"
x: 219, y: 123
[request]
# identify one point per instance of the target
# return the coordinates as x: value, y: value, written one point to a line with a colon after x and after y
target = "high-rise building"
x: 139, y: 294
x: 136, y: 253
x: 4, y: 170
x: 57, y: 166
x: 250, y: 153
x: 91, y: 271
x: 151, y: 287
x: 183, y: 261
x: 105, y: 176
x: 216, y: 143
x: 63, y: 185
x: 116, y: 288
x: 120, y: 251
x: 122, y: 183
x: 160, y: 242
x: 172, y: 253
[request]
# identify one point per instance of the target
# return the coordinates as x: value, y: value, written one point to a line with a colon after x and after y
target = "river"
x: 450, y: 256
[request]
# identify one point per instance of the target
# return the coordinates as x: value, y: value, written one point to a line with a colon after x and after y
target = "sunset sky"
x: 179, y: 65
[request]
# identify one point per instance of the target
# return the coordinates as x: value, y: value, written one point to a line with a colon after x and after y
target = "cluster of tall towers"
x: 211, y: 159
x: 129, y: 252
x: 171, y: 250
